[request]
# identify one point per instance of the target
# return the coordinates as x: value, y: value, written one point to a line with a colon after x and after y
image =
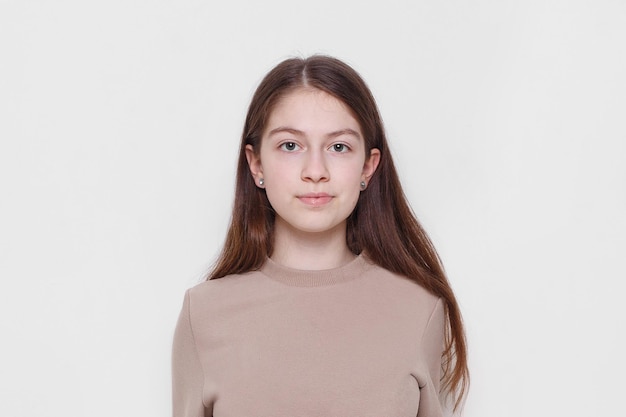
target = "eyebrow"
x: 297, y: 132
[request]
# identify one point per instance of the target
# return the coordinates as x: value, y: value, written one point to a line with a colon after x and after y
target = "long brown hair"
x: 382, y: 225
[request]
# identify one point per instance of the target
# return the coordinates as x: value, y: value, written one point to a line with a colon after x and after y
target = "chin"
x: 321, y: 228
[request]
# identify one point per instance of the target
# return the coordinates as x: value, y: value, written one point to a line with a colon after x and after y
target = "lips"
x: 315, y: 199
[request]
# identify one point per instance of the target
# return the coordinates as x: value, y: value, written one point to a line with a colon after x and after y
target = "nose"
x: 315, y: 168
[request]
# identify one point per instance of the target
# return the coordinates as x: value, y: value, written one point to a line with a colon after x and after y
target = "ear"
x: 370, y: 165
x: 254, y: 163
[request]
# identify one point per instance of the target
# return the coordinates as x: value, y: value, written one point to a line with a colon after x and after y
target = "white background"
x: 119, y: 125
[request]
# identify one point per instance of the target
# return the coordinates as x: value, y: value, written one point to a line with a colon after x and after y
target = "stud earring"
x: 363, y: 185
x: 261, y: 182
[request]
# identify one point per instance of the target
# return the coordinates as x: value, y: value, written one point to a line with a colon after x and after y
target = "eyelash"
x: 283, y: 145
x: 344, y: 148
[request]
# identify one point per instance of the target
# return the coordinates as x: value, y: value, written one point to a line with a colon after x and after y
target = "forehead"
x: 313, y: 111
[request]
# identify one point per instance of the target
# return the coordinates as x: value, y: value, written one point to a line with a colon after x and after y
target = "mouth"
x: 315, y: 199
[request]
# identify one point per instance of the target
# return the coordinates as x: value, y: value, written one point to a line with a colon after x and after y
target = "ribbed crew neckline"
x: 314, y: 278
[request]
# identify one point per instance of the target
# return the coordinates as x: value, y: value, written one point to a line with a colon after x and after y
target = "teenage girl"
x: 328, y: 298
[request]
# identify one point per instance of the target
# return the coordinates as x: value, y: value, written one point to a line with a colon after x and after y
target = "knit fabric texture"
x: 357, y: 341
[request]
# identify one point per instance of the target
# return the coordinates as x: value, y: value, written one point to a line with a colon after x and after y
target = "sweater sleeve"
x: 187, y: 374
x: 432, y: 349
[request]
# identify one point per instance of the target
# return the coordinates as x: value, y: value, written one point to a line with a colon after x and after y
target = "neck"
x: 310, y: 251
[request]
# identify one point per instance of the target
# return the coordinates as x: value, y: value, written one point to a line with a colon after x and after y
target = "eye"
x: 340, y: 147
x: 289, y: 146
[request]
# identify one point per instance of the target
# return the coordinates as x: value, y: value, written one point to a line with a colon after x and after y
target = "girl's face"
x: 312, y: 161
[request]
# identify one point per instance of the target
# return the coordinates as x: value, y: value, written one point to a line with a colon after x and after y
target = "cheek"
x: 350, y: 174
x: 351, y: 185
x: 272, y: 167
x: 354, y: 201
x: 279, y: 176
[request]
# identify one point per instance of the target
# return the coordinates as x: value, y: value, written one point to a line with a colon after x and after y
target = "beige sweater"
x: 353, y: 341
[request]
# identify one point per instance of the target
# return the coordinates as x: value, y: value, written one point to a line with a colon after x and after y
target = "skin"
x: 312, y: 161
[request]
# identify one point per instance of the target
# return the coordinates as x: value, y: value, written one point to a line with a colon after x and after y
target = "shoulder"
x: 215, y: 289
x: 400, y: 299
x: 400, y: 286
x: 233, y: 293
x: 218, y: 284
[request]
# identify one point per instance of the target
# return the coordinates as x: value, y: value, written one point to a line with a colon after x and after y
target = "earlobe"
x: 254, y: 163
